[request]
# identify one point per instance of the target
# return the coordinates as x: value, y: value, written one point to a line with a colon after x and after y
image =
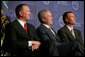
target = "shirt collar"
x: 46, y: 25
x: 21, y: 22
x: 69, y: 27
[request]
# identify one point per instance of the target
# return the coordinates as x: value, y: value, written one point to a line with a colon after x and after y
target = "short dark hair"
x: 65, y: 15
x: 18, y: 9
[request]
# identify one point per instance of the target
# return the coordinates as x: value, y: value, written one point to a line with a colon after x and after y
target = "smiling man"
x: 22, y: 36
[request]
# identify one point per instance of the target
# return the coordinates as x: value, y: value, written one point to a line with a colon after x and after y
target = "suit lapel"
x: 51, y: 33
x: 30, y: 31
x: 20, y: 27
x: 47, y: 29
x: 76, y: 34
x: 69, y: 33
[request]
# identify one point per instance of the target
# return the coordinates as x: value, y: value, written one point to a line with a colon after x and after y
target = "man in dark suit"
x: 50, y: 42
x: 22, y: 37
x: 68, y: 33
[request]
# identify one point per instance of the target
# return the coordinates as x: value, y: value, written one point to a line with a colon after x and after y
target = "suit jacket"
x: 47, y: 38
x: 51, y: 44
x: 66, y: 36
x: 17, y: 38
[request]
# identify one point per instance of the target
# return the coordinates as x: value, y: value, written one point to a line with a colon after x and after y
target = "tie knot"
x: 50, y: 28
x: 25, y: 24
x: 71, y: 30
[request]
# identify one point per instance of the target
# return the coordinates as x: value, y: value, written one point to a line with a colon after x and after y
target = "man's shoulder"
x: 62, y: 28
x: 13, y: 23
x: 30, y: 24
x: 77, y: 30
x: 41, y: 28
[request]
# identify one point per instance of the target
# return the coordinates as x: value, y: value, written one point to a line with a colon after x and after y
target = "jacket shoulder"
x: 62, y: 28
x: 40, y: 28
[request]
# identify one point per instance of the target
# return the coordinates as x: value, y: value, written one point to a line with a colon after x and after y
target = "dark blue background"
x: 56, y: 7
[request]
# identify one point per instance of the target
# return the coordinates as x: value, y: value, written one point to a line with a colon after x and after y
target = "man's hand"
x: 35, y: 45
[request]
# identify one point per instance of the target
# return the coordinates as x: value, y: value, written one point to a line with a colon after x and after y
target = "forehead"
x: 48, y: 12
x: 70, y: 14
x: 25, y: 7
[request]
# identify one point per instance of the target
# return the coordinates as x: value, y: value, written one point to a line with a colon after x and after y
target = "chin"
x: 51, y: 24
x: 74, y: 23
x: 28, y: 19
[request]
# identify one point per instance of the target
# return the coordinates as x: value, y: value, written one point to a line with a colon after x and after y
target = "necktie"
x: 72, y: 31
x: 51, y: 30
x: 26, y: 27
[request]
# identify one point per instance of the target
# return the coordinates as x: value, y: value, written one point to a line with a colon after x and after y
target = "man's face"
x: 48, y: 18
x: 25, y: 12
x: 71, y: 19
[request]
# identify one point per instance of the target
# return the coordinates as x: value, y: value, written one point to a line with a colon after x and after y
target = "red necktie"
x: 26, y: 28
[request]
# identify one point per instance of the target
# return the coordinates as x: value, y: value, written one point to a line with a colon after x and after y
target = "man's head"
x: 69, y: 18
x: 23, y: 12
x: 45, y: 17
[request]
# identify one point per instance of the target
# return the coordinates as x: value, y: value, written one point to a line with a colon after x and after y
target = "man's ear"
x: 20, y: 13
x: 43, y: 19
x: 66, y: 20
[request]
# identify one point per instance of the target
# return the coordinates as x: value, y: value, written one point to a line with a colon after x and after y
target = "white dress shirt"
x: 22, y: 24
x: 71, y: 30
